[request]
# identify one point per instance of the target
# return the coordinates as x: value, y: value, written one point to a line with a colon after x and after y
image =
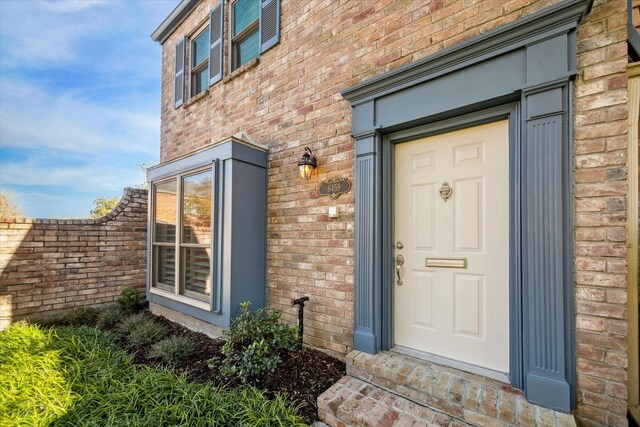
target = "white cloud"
x: 96, y: 35
x: 31, y: 35
x: 79, y: 95
x: 32, y: 118
x: 95, y: 177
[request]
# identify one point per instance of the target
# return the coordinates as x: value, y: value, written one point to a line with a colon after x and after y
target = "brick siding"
x: 290, y: 99
x: 600, y: 215
x: 49, y: 266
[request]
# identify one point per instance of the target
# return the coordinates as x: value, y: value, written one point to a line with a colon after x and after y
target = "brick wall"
x: 48, y: 266
x: 600, y: 214
x: 290, y: 99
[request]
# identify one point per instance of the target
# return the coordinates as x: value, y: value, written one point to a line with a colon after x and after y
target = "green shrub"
x: 78, y: 377
x: 172, y: 349
x: 127, y: 323
x: 131, y: 301
x: 255, y: 342
x: 139, y: 330
x: 109, y: 316
x: 81, y: 316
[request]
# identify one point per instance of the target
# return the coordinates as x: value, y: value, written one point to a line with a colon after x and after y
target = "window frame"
x: 182, y: 283
x: 248, y: 31
x: 180, y: 293
x: 203, y: 66
x: 155, y: 243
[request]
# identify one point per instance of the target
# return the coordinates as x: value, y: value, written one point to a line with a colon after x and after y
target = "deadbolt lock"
x: 399, y: 245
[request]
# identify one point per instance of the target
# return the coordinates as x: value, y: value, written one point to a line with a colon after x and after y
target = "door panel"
x: 424, y: 218
x: 469, y: 213
x: 460, y: 314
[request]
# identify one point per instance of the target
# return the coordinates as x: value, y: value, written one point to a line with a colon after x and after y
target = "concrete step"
x: 449, y: 393
x: 353, y: 402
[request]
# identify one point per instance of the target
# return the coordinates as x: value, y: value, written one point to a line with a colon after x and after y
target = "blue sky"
x: 79, y: 100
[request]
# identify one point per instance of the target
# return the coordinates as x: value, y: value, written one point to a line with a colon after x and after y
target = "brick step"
x: 354, y: 402
x: 463, y: 396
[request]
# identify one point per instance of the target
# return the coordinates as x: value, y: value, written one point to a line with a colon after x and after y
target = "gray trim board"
x: 231, y: 148
x: 522, y: 71
x: 171, y: 22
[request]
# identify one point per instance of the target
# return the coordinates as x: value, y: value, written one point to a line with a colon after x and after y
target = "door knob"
x: 399, y: 263
x: 400, y: 245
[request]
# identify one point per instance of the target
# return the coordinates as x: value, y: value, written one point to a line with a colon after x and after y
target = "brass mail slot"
x: 446, y: 262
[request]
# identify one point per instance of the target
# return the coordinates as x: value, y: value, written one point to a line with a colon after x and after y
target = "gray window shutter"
x: 215, y: 42
x: 178, y: 79
x: 269, y: 24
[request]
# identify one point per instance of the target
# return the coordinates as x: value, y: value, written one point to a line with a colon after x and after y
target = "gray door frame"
x: 510, y: 112
x: 526, y: 69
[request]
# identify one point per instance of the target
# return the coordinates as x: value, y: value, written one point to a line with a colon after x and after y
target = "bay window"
x: 207, y: 232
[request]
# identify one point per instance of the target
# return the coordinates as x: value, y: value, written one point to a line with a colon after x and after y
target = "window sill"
x: 249, y: 65
x: 181, y: 298
x: 195, y: 99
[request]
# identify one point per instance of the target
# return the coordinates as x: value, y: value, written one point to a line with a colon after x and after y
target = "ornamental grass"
x: 77, y: 376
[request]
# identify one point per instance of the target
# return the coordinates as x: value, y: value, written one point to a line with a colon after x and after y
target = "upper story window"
x: 199, y: 63
x: 254, y: 28
x: 245, y: 41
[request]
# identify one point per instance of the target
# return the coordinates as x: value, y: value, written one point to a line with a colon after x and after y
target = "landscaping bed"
x: 256, y: 364
x: 77, y: 376
x: 303, y: 375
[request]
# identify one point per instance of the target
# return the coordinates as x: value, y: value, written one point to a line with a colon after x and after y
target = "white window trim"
x: 181, y: 298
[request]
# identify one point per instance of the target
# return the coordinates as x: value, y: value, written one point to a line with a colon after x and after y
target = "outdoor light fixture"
x: 307, y: 164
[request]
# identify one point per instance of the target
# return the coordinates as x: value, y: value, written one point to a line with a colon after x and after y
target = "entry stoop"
x: 392, y: 389
x: 353, y: 402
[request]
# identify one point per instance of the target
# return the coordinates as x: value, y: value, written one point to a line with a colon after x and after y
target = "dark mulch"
x: 303, y: 375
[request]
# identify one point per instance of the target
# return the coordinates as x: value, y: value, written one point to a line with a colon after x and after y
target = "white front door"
x: 453, y: 301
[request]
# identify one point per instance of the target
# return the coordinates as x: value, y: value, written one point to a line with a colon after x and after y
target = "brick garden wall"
x: 48, y: 266
x: 290, y: 99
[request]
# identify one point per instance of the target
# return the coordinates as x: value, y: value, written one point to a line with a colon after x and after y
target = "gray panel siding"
x: 546, y: 229
x: 543, y: 63
x: 226, y: 150
x: 201, y: 158
x: 542, y: 103
x: 249, y: 154
x: 453, y: 91
x: 365, y: 334
x: 542, y: 214
x: 248, y: 227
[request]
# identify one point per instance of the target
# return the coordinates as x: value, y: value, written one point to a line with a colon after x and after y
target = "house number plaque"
x: 335, y: 187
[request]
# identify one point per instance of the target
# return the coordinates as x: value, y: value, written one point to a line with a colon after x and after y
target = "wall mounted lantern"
x: 307, y: 164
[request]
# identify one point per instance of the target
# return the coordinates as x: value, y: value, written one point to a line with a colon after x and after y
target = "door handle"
x: 399, y: 262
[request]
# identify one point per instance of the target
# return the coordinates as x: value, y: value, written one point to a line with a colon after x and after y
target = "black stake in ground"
x: 300, y: 303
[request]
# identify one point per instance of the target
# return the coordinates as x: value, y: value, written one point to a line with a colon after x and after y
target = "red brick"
x: 47, y: 282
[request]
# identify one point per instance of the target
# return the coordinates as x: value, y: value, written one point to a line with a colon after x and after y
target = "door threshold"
x: 467, y: 367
